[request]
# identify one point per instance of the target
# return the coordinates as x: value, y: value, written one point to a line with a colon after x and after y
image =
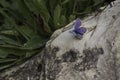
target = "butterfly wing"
x: 77, y: 24
x: 80, y: 31
x: 78, y: 36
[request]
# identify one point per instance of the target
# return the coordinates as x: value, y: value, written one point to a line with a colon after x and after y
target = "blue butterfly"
x: 78, y: 31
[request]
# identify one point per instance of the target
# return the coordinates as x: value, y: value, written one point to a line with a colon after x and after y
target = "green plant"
x: 26, y: 25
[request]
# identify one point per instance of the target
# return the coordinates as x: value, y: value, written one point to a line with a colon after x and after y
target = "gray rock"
x: 30, y: 70
x: 95, y: 57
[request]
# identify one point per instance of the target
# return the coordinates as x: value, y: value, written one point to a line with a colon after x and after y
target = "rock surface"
x: 95, y: 57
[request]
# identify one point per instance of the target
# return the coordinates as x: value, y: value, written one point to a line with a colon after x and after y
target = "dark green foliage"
x: 26, y: 25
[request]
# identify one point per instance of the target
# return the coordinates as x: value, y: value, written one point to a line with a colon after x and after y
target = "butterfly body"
x: 78, y: 31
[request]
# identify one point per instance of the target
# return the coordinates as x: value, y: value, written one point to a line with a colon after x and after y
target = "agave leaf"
x: 30, y: 5
x: 71, y: 6
x: 7, y: 63
x: 18, y: 17
x: 2, y: 42
x: 88, y: 10
x: 8, y: 18
x: 9, y: 41
x: 10, y: 64
x: 44, y: 13
x: 96, y: 2
x: 7, y: 24
x: 5, y: 66
x: 23, y: 9
x: 64, y: 2
x: 52, y: 5
x: 63, y: 20
x: 29, y: 54
x: 27, y: 14
x: 27, y: 31
x: 6, y: 50
x: 56, y: 18
x: 22, y: 33
x: 35, y: 10
x: 3, y: 54
x: 71, y: 18
x: 4, y: 3
x: 9, y: 32
x: 35, y: 42
x: 7, y: 60
x: 40, y: 5
x: 14, y: 48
